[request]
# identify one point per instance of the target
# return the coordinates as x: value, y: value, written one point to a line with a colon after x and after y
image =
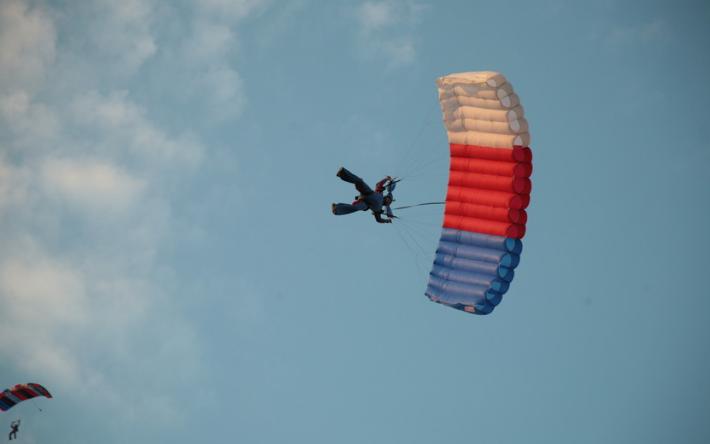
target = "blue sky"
x: 169, y: 267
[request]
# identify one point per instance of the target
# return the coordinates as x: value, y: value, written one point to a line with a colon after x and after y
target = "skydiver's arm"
x: 381, y: 185
x: 388, y: 211
x: 379, y: 219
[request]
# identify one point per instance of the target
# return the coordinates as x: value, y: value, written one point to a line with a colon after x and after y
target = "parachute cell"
x: 21, y: 392
x: 489, y: 189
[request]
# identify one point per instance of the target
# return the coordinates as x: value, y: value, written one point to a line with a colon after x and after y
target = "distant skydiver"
x: 374, y: 201
x: 14, y: 426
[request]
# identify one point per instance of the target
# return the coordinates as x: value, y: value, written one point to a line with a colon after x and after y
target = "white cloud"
x: 230, y: 10
x: 650, y: 34
x: 208, y: 54
x: 41, y: 298
x: 387, y: 29
x: 281, y: 21
x: 377, y: 15
x: 29, y: 125
x: 400, y: 52
x: 122, y: 34
x: 14, y: 187
x: 122, y: 131
x: 210, y: 42
x: 653, y: 31
x: 37, y: 288
x: 93, y: 185
x: 213, y: 81
x: 225, y: 90
x: 27, y: 45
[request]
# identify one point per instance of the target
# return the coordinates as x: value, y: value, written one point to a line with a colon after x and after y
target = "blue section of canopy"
x: 472, y: 271
x: 6, y: 404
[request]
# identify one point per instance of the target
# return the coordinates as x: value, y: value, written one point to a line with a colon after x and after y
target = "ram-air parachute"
x: 489, y: 189
x: 21, y: 392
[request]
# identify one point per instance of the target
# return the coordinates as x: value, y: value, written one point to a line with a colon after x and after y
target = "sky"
x: 171, y: 272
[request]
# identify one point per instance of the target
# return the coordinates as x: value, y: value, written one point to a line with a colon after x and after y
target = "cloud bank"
x: 89, y: 172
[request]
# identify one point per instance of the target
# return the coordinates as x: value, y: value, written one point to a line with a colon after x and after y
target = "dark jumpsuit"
x: 13, y: 433
x: 367, y: 200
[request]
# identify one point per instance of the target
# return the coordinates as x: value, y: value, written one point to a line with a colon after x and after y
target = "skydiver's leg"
x: 343, y: 208
x: 360, y: 184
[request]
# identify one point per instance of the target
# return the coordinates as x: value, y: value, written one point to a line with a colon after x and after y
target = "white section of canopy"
x: 509, y: 101
x: 481, y: 108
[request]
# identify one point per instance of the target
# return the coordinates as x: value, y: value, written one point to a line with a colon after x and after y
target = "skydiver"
x: 368, y: 199
x: 15, y: 426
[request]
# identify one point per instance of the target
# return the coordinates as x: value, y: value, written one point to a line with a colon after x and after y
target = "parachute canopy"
x: 489, y: 189
x: 21, y: 392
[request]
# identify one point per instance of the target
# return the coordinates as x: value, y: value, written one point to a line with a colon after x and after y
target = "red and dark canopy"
x: 21, y: 392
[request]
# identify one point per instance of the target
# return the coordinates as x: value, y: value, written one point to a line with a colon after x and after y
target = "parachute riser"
x: 418, y: 205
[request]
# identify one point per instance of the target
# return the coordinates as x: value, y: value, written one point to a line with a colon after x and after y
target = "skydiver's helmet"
x: 388, y: 199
